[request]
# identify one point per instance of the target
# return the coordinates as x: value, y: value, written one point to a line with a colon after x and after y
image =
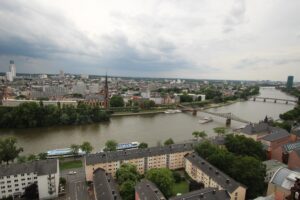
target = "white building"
x: 84, y: 76
x: 9, y: 76
x: 14, y: 178
x: 12, y: 68
x: 43, y: 76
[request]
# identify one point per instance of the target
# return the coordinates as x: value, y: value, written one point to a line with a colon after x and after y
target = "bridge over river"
x: 275, y: 100
x: 227, y: 116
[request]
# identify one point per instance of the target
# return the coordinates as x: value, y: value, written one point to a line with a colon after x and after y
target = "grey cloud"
x: 235, y: 17
x: 254, y: 63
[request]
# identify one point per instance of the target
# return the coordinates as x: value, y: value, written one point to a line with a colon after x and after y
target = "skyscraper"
x: 290, y: 82
x: 12, y: 68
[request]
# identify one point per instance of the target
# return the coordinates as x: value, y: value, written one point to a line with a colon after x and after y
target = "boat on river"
x: 65, y: 152
x: 127, y: 146
x: 172, y: 111
x: 205, y: 120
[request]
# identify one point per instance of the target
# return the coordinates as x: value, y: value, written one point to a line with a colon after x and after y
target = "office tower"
x: 289, y: 84
x: 12, y: 68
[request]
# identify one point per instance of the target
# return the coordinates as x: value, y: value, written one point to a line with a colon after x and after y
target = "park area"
x: 72, y: 164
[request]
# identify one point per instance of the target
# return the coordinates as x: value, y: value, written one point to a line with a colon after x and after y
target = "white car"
x: 72, y: 172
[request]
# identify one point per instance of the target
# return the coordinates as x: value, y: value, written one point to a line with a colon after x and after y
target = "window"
x: 35, y: 177
x: 2, y: 187
x: 9, y: 190
x: 15, y: 175
x: 16, y: 180
x: 16, y: 185
x: 23, y: 179
x: 23, y: 183
x: 9, y: 186
x: 8, y: 181
x: 22, y: 174
x: 17, y: 189
x: 7, y: 176
x: 29, y: 179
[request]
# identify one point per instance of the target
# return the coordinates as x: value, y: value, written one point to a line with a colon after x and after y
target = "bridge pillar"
x: 264, y: 100
x: 287, y: 102
x: 194, y: 112
x: 228, y: 122
x: 275, y: 101
x: 254, y: 99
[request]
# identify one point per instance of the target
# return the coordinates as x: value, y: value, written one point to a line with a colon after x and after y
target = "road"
x: 76, y: 188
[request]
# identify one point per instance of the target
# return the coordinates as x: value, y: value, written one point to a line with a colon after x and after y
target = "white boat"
x: 65, y: 152
x: 126, y: 146
x: 205, y: 120
x: 172, y: 111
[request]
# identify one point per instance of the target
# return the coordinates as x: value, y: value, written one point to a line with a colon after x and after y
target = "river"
x: 145, y: 128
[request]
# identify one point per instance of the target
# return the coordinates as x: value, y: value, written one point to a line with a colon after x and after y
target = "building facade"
x: 171, y: 157
x: 14, y: 178
x: 203, y: 172
x: 290, y: 82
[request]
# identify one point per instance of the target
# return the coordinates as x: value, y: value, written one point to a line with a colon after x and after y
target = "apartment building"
x: 105, y: 187
x: 14, y: 178
x: 202, y: 171
x: 171, y: 157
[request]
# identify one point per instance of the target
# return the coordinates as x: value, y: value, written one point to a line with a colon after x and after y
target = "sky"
x: 199, y: 39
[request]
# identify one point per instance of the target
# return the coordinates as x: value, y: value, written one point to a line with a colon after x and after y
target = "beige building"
x: 171, y: 157
x: 202, y: 171
x: 14, y: 178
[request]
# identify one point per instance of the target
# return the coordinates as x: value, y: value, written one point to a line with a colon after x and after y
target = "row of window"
x: 16, y: 180
x: 11, y: 176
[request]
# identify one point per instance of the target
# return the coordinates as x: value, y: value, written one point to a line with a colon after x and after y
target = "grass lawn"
x: 70, y: 164
x: 181, y: 187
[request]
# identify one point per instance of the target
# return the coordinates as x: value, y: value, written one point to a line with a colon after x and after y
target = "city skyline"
x: 236, y: 39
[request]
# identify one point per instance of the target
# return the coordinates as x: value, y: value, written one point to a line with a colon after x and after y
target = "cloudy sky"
x: 213, y: 39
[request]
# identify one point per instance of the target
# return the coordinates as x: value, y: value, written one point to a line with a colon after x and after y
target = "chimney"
x: 227, y: 181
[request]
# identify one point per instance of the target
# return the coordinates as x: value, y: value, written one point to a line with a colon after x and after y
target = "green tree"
x: 241, y: 145
x: 186, y: 98
x: 163, y: 179
x: 169, y: 142
x: 127, y: 176
x: 8, y: 149
x: 127, y: 190
x: 75, y: 149
x: 86, y: 147
x: 127, y: 172
x: 21, y: 159
x: 143, y: 145
x: 200, y: 134
x: 116, y: 101
x: 110, y: 145
x: 220, y: 130
x: 32, y: 157
x: 43, y: 156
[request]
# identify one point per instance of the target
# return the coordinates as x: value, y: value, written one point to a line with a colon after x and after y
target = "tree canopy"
x: 86, y: 147
x: 163, y: 179
x: 127, y: 177
x: 241, y: 145
x: 169, y: 142
x: 116, y: 101
x: 110, y: 145
x: 220, y: 130
x: 32, y: 114
x: 9, y: 150
x: 247, y: 170
x: 143, y: 145
x: 200, y: 134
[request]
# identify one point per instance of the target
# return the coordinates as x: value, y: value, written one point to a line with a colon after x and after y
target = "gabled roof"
x: 251, y: 129
x: 225, y: 181
x: 285, y: 178
x: 40, y: 167
x: 114, y: 156
x: 276, y: 134
x: 105, y: 186
x: 148, y: 190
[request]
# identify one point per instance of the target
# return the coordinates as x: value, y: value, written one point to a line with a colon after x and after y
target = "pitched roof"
x: 105, y: 186
x: 105, y: 157
x: 284, y: 178
x: 276, y: 134
x: 214, y: 173
x: 206, y: 193
x: 40, y: 167
x: 148, y: 190
x: 251, y: 129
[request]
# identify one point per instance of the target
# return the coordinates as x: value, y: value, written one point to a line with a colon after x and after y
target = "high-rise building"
x: 9, y: 76
x: 106, y: 97
x: 61, y: 74
x: 12, y: 68
x: 290, y: 82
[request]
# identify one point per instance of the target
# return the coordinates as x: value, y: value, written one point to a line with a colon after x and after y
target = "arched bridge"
x: 275, y: 100
x: 227, y: 116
